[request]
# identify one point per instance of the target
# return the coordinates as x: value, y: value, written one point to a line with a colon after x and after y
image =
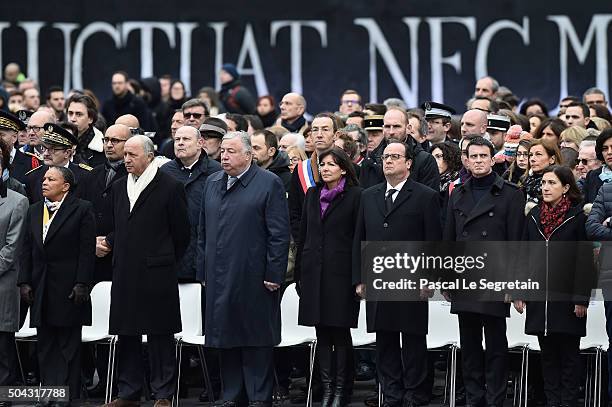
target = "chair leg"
x: 206, y: 375
x: 178, y: 353
x: 111, y: 368
x: 446, y: 378
x: 453, y: 377
x: 313, y: 352
x: 20, y: 364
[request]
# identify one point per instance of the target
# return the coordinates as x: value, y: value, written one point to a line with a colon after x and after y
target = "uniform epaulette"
x: 85, y: 167
x: 33, y: 169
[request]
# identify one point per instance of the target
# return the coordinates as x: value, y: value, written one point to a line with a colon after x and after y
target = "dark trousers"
x: 560, y: 368
x: 8, y: 361
x: 484, y: 371
x: 402, y: 371
x: 59, y: 357
x: 608, y: 308
x: 247, y: 370
x: 131, y: 369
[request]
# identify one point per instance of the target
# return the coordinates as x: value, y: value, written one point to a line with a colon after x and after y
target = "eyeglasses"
x: 522, y: 154
x: 44, y: 148
x: 393, y: 157
x: 294, y: 160
x: 350, y: 102
x: 194, y: 115
x: 113, y: 141
x: 584, y: 161
x: 35, y: 129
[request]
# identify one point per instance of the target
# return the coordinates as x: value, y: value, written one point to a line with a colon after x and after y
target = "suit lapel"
x: 402, y: 196
x: 145, y: 193
x: 63, y: 213
x: 380, y: 199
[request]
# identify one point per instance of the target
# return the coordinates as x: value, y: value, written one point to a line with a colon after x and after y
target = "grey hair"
x: 363, y: 137
x: 147, y: 144
x: 299, y: 142
x: 244, y: 137
x: 593, y: 91
x: 395, y: 102
x: 587, y: 143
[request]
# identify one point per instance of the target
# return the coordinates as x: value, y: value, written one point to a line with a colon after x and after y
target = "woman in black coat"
x: 323, y: 270
x: 56, y: 274
x: 556, y: 313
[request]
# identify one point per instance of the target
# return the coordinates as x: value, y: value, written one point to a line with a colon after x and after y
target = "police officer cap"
x: 9, y: 121
x: 56, y: 135
x: 434, y: 110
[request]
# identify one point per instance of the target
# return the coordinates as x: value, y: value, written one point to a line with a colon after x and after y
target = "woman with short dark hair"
x: 56, y: 275
x: 323, y: 270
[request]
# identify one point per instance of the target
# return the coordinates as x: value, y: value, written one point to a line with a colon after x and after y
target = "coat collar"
x: 244, y: 180
x: 63, y: 213
x: 472, y: 210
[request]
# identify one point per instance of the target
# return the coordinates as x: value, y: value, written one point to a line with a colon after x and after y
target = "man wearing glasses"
x: 587, y: 160
x: 10, y: 125
x: 194, y: 112
x: 35, y: 131
x: 350, y: 102
x: 58, y: 144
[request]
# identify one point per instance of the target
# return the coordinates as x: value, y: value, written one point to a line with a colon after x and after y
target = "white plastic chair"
x: 519, y: 341
x: 25, y: 334
x: 190, y: 297
x: 360, y: 335
x: 596, y: 340
x: 443, y: 332
x: 293, y: 334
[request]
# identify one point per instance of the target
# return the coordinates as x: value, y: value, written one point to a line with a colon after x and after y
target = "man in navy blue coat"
x: 243, y: 243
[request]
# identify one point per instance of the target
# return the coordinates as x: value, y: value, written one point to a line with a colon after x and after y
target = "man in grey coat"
x: 243, y: 243
x: 13, y: 209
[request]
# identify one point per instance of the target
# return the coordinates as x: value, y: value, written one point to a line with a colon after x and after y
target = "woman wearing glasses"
x: 520, y: 166
x: 323, y: 269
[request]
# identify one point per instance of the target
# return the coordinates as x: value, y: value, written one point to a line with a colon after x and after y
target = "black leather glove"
x: 27, y: 294
x: 79, y: 294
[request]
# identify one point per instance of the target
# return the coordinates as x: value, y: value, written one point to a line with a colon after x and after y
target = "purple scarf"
x: 327, y: 196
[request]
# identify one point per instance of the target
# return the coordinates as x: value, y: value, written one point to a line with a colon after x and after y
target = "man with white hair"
x: 150, y: 235
x: 292, y: 108
x: 241, y: 201
x: 290, y: 140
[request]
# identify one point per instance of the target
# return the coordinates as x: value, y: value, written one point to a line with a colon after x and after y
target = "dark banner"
x: 413, y: 50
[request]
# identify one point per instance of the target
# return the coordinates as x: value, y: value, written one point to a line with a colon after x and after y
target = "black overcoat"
x: 243, y: 241
x: 65, y: 258
x: 415, y: 216
x: 497, y: 217
x: 147, y: 246
x: 96, y: 192
x: 323, y: 265
x: 567, y: 273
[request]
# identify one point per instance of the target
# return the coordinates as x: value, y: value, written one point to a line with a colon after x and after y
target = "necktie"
x: 389, y: 199
x: 109, y: 175
x: 231, y: 181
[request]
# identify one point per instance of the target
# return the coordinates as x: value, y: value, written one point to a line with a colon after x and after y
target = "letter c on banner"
x: 77, y: 55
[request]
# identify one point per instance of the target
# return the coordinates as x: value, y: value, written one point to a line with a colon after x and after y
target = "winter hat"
x: 511, y: 141
x: 231, y: 69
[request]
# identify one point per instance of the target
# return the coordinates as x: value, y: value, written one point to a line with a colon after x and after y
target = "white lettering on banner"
x: 66, y: 29
x: 296, y: 45
x: 218, y: 28
x: 593, y: 40
x: 484, y: 42
x: 32, y: 29
x: 599, y: 27
x: 409, y: 93
x: 146, y: 41
x: 437, y: 60
x: 249, y: 48
x: 77, y: 53
x: 185, y: 30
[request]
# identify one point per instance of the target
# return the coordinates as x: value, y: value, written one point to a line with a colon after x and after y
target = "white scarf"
x: 135, y: 187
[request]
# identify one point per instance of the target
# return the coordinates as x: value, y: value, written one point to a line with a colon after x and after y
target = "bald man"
x: 150, y: 234
x: 35, y: 130
x: 474, y: 122
x: 128, y: 120
x: 292, y: 107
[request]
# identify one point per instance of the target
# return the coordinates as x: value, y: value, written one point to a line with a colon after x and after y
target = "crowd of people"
x: 154, y: 188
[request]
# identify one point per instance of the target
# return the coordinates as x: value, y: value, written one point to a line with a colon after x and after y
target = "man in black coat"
x: 267, y: 155
x: 125, y: 102
x: 150, y: 235
x: 58, y: 144
x: 399, y: 209
x: 485, y: 208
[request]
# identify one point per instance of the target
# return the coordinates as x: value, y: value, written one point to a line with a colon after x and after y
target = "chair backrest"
x: 100, y: 309
x: 291, y: 332
x: 360, y: 335
x: 191, y: 308
x: 443, y: 326
x: 596, y: 327
x: 515, y: 329
x: 26, y: 331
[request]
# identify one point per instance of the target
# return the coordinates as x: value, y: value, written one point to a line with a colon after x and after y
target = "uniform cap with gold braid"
x: 10, y: 122
x: 24, y: 116
x: 374, y: 122
x: 56, y: 135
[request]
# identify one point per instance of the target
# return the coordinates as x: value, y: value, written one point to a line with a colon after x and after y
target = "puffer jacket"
x: 602, y: 210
